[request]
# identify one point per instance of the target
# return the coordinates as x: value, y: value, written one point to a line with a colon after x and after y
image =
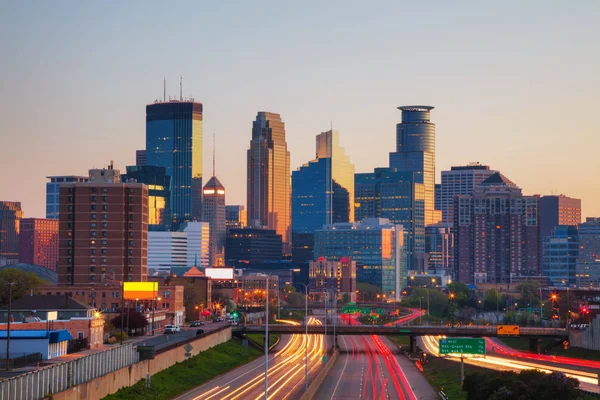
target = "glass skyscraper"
x: 415, y: 152
x: 561, y: 251
x: 213, y: 212
x: 174, y: 141
x: 159, y: 193
x: 269, y: 183
x: 387, y: 193
x: 53, y: 192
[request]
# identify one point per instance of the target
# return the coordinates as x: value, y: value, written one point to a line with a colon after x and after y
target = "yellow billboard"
x: 508, y: 330
x: 140, y: 290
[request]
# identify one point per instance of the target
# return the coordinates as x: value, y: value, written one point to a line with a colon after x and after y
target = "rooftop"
x: 498, y: 179
x: 416, y: 108
x: 41, y: 302
x: 54, y: 336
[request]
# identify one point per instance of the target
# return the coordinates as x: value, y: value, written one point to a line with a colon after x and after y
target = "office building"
x: 460, y: 180
x: 105, y: 175
x: 140, y: 158
x: 159, y: 194
x: 167, y: 250
x: 339, y: 276
x: 253, y: 245
x: 588, y: 262
x: 558, y: 210
x: 174, y: 141
x: 269, y: 191
x: 387, y: 193
x: 415, y: 152
x: 438, y: 196
x: 213, y: 210
x: 439, y: 247
x: 235, y: 216
x: 10, y: 216
x: 374, y: 243
x: 103, y: 233
x: 496, y: 233
x: 53, y: 192
x: 560, y: 253
x: 198, y: 243
x: 38, y: 242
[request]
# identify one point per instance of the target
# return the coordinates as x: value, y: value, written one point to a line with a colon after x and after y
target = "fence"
x: 21, y: 361
x: 56, y: 378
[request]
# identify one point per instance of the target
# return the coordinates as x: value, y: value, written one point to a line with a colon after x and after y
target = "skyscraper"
x: 588, y: 262
x: 558, y: 210
x: 174, y: 141
x: 235, y: 216
x: 496, y: 232
x: 159, y: 193
x: 415, y: 152
x: 268, y: 186
x: 439, y: 246
x: 213, y: 212
x: 53, y: 192
x: 560, y: 253
x: 39, y: 242
x: 140, y: 157
x: 460, y: 180
x: 10, y: 215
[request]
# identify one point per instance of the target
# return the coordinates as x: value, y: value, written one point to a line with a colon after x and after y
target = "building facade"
x: 38, y: 242
x: 439, y: 247
x: 103, y: 233
x: 496, y: 232
x: 339, y: 276
x: 377, y: 247
x: 140, y: 158
x: 159, y: 194
x: 166, y: 250
x: 235, y: 217
x: 588, y: 262
x: 560, y: 253
x: 53, y: 192
x: 174, y: 141
x: 415, y: 152
x: 269, y: 191
x: 213, y: 212
x: 198, y: 243
x: 460, y: 180
x: 558, y: 210
x: 252, y: 245
x: 10, y: 217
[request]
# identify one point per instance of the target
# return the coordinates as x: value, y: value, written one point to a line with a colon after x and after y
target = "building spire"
x: 180, y: 88
x: 213, y: 154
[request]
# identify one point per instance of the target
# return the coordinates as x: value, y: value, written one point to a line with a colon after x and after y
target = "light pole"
x: 154, y: 308
x: 266, y: 334
x: 306, y: 334
x: 420, y: 312
x: 10, y: 285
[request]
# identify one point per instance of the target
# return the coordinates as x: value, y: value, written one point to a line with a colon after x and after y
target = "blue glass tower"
x: 159, y: 194
x: 311, y: 185
x: 561, y: 251
x: 174, y: 141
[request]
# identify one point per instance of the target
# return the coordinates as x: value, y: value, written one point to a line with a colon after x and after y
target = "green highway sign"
x: 350, y: 310
x: 462, y: 346
x: 380, y: 311
x: 365, y: 311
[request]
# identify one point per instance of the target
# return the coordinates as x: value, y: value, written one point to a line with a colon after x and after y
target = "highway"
x: 286, y: 372
x: 160, y: 340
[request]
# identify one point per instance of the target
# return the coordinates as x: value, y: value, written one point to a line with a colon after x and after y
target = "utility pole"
x: 10, y: 285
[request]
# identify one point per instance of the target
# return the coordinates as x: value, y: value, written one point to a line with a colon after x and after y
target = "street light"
x: 306, y: 334
x: 266, y: 334
x: 154, y: 308
x: 10, y: 285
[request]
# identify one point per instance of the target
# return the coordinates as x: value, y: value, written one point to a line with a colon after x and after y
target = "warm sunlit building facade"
x: 159, y: 194
x: 38, y: 242
x: 339, y: 276
x: 213, y: 212
x: 10, y: 215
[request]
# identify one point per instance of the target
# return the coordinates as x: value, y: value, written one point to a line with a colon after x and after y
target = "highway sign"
x: 365, y: 311
x: 188, y: 348
x: 508, y: 330
x: 462, y: 346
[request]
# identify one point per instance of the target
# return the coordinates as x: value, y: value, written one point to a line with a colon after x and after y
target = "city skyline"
x: 495, y: 95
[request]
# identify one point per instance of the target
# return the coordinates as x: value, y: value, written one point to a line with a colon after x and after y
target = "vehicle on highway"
x: 196, y: 323
x: 172, y: 329
x: 199, y: 332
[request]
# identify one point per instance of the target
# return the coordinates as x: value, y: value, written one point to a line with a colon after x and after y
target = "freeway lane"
x: 367, y: 369
x: 286, y: 373
x: 161, y: 340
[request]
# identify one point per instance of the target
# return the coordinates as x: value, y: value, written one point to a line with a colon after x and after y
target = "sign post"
x: 462, y: 346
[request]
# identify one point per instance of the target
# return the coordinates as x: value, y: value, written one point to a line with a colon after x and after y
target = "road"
x: 286, y: 373
x: 161, y: 340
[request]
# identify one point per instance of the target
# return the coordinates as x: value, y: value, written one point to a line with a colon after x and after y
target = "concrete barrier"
x: 316, y: 383
x: 110, y: 383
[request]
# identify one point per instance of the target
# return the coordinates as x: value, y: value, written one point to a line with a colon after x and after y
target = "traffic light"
x: 234, y: 315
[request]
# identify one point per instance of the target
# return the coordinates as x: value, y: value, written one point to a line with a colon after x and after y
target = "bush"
x: 117, y: 336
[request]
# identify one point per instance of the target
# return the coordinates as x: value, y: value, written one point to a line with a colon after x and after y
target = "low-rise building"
x: 339, y: 276
x: 49, y: 343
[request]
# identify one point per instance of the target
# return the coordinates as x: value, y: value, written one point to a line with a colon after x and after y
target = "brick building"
x: 38, y: 242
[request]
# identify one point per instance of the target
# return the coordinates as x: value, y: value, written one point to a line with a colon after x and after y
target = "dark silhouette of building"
x: 213, y: 210
x: 250, y: 245
x: 10, y: 215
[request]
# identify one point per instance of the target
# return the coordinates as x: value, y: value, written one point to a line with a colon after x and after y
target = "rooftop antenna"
x: 180, y: 88
x: 330, y: 139
x: 164, y: 89
x: 213, y: 154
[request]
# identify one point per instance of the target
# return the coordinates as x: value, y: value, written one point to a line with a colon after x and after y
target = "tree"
x: 24, y: 282
x: 530, y: 293
x: 492, y: 301
x: 367, y: 291
x: 295, y: 299
x: 137, y: 320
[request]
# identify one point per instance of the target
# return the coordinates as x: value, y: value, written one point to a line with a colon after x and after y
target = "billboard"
x: 140, y: 290
x: 219, y: 273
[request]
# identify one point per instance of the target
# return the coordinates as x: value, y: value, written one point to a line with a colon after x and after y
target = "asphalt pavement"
x: 160, y: 339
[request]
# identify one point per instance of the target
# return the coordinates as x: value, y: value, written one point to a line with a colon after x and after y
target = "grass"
x: 444, y: 375
x: 296, y: 315
x: 573, y: 352
x: 259, y: 339
x: 190, y: 373
x: 403, y: 341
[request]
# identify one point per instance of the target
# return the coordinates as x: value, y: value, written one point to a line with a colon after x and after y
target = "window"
x: 93, y: 260
x: 69, y: 251
x: 92, y: 268
x: 131, y: 217
x: 69, y: 260
x: 103, y: 251
x: 92, y: 242
x: 104, y: 216
x: 104, y: 243
x: 93, y: 224
x: 70, y: 242
x: 92, y: 278
x: 130, y: 234
x: 130, y: 251
x: 70, y: 225
x: 104, y: 198
x: 131, y: 199
x: 104, y: 261
x: 93, y: 216
x: 70, y: 208
x: 131, y: 261
x: 93, y: 251
x: 70, y: 216
x: 105, y: 207
x: 93, y: 190
x: 104, y: 190
x: 130, y: 208
x: 70, y: 190
x: 93, y: 207
x: 104, y: 234
x: 131, y: 242
x: 104, y: 224
x: 70, y: 199
x: 93, y: 198
x: 130, y: 226
x: 103, y: 294
x: 93, y: 233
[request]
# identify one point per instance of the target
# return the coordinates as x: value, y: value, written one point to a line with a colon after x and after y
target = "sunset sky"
x: 515, y: 85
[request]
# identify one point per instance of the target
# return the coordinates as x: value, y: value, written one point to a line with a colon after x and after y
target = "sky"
x: 515, y: 85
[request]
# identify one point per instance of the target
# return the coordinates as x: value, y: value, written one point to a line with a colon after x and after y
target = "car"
x: 172, y: 329
x: 196, y: 324
x: 200, y: 332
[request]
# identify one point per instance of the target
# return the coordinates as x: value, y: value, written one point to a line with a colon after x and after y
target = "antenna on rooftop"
x: 180, y: 88
x: 213, y: 154
x: 164, y: 89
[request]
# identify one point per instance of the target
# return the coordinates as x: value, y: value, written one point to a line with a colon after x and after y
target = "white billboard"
x: 219, y: 273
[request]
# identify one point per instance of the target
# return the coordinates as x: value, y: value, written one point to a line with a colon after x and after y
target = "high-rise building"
x: 439, y: 247
x: 387, y: 193
x: 253, y: 245
x: 496, y: 233
x: 438, y: 196
x: 174, y: 141
x: 159, y: 193
x: 38, y: 244
x: 235, y: 216
x: 167, y: 250
x: 10, y: 215
x: 140, y: 158
x: 269, y: 183
x: 105, y: 175
x: 213, y: 210
x: 103, y: 233
x: 460, y: 180
x: 588, y: 262
x: 558, y: 210
x: 375, y: 244
x: 560, y: 253
x: 198, y: 239
x: 339, y: 276
x: 415, y: 152
x: 53, y: 192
